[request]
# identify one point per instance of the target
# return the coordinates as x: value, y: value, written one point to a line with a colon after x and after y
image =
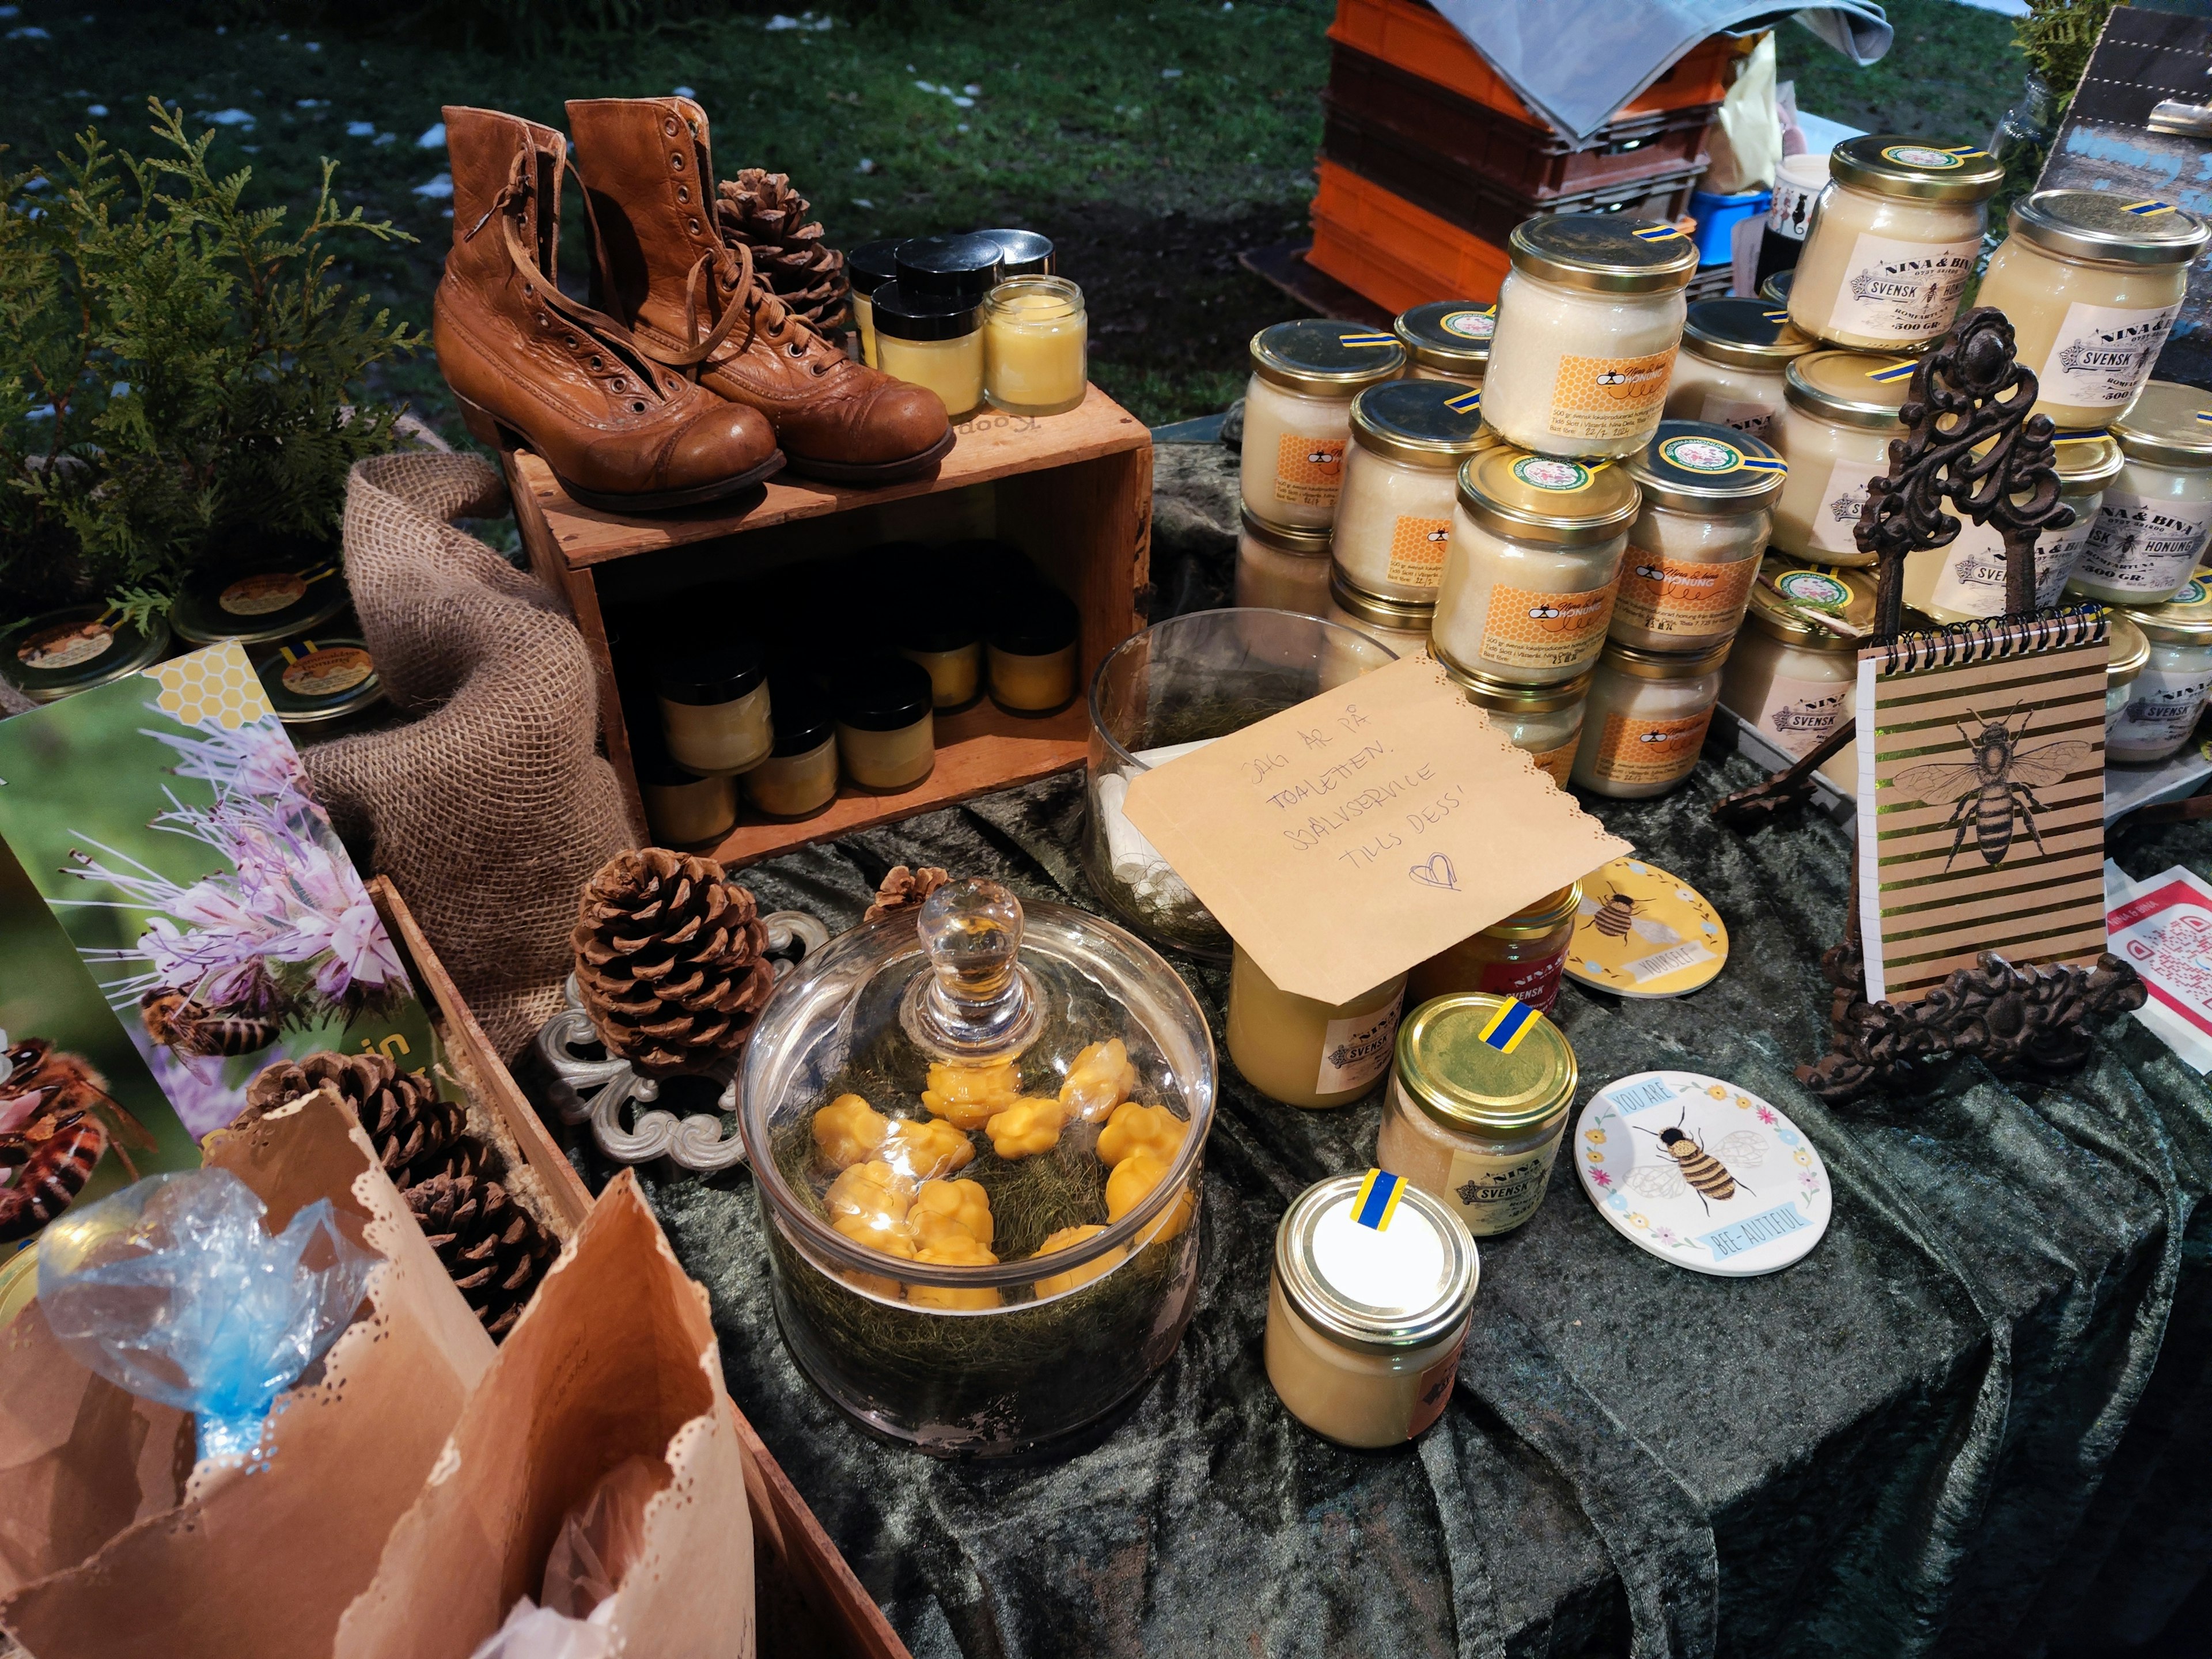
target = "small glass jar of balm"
x: 1521, y: 956
x: 1892, y: 242
x: 2175, y: 681
x: 1303, y: 1052
x: 1588, y: 320
x: 1788, y: 675
x: 2091, y: 281
x: 1366, y: 1324
x: 799, y: 776
x: 1729, y: 372
x: 1281, y: 567
x: 1035, y: 335
x: 1839, y: 414
x: 1647, y: 718
x: 684, y: 808
x: 963, y: 267
x: 946, y: 639
x: 1966, y: 580
x: 1401, y: 625
x: 1297, y: 414
x: 1694, y: 550
x: 1775, y: 290
x: 1447, y: 340
x: 1544, y: 721
x: 1477, y: 1129
x: 1400, y: 478
x: 2152, y: 523
x: 1023, y: 253
x: 1033, y: 665
x: 2129, y: 648
x: 1533, y: 563
x: 931, y: 342
x: 714, y: 708
x: 867, y: 268
x: 886, y: 738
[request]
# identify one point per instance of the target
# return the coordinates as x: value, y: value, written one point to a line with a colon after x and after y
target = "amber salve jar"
x: 1307, y: 1053
x: 1520, y: 957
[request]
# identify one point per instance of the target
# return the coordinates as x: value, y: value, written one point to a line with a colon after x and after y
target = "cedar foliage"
x: 2056, y: 37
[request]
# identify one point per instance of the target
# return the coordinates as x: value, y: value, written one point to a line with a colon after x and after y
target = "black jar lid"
x: 952, y: 267
x: 51, y: 656
x: 657, y: 769
x: 802, y: 719
x: 1035, y: 622
x: 261, y: 601
x: 884, y: 694
x: 872, y: 264
x: 324, y: 677
x: 1026, y: 253
x: 721, y: 674
x: 904, y: 315
x: 942, y: 622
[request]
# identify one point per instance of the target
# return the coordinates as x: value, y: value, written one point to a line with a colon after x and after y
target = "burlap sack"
x: 491, y: 811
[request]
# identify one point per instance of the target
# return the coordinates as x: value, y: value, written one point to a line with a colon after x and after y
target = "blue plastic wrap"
x: 174, y: 1289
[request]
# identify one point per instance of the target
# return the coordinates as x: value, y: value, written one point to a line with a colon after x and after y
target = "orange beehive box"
x: 1396, y: 254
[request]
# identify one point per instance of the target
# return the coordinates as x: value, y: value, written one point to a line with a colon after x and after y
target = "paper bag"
x: 615, y: 1357
x: 252, y: 1562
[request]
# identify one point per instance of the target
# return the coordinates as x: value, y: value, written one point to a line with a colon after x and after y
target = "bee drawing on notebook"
x: 1993, y: 792
x: 1712, y: 1175
x: 1616, y: 917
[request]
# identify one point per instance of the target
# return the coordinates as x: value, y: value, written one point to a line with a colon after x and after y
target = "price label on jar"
x: 1609, y: 397
x: 2103, y: 354
x: 1523, y: 628
x: 1308, y: 471
x: 1898, y: 290
x: 1649, y: 752
x: 2145, y: 546
x: 1676, y: 596
x: 1418, y: 547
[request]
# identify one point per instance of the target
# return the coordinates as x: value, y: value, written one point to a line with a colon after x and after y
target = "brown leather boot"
x: 662, y: 264
x: 530, y: 366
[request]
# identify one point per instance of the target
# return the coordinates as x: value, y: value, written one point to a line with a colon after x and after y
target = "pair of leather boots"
x: 687, y: 381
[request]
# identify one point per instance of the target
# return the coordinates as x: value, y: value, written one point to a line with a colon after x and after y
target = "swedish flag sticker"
x: 1370, y: 338
x: 1765, y: 463
x: 1658, y: 233
x: 1376, y: 1200
x: 2147, y: 210
x: 1894, y: 372
x: 1466, y: 403
x: 1775, y: 316
x: 1504, y: 1028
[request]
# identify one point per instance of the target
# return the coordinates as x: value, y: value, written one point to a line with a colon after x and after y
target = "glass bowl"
x: 1001, y: 1350
x: 1171, y: 689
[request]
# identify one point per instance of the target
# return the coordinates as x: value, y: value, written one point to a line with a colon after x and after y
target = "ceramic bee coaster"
x: 1701, y: 1174
x: 1643, y: 932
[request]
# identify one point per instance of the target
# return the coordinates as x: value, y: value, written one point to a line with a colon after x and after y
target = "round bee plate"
x: 1643, y: 932
x: 1701, y: 1174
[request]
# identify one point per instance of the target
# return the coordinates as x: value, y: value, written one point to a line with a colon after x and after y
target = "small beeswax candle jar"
x: 1893, y: 239
x: 1305, y: 1052
x: 1399, y: 625
x: 932, y: 342
x: 1023, y: 253
x: 714, y: 708
x: 1648, y: 714
x: 868, y: 267
x: 1788, y: 675
x: 946, y: 637
x: 684, y: 808
x: 1695, y: 548
x: 799, y: 776
x: 1447, y: 340
x: 1400, y: 477
x: 1545, y: 720
x: 1365, y: 1323
x: 1840, y: 414
x: 1521, y: 956
x: 1967, y: 579
x: 1729, y: 372
x: 1588, y: 322
x: 2152, y: 523
x: 2130, y: 654
x: 1281, y: 567
x: 1033, y: 652
x: 1035, y: 332
x: 1478, y: 1127
x: 2091, y: 281
x: 2172, y: 688
x: 886, y: 740
x: 1297, y: 414
x: 1533, y: 563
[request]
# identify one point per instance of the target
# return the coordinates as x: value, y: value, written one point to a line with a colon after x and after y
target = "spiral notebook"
x: 1981, y: 804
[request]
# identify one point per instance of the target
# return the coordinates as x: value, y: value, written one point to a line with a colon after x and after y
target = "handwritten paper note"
x: 1345, y: 839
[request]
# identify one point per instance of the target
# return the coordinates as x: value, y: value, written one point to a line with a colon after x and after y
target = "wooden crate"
x: 1073, y: 491
x: 808, y: 1600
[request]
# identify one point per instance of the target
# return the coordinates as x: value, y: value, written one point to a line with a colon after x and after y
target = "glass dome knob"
x: 977, y: 1002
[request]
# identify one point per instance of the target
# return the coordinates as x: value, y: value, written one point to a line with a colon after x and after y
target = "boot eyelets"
x: 529, y: 291
x: 677, y: 161
x: 694, y: 224
x: 683, y: 192
x: 797, y: 348
x: 668, y: 126
x: 598, y: 362
x: 637, y: 409
x: 619, y: 384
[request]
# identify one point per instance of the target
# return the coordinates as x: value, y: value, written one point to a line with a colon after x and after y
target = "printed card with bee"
x: 1702, y: 1174
x: 1643, y: 932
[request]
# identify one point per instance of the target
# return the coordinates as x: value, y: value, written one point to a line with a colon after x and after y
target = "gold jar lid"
x: 1542, y: 498
x: 1787, y: 591
x: 2130, y: 648
x: 1462, y: 1082
x: 2109, y: 227
x: 1450, y: 335
x: 2184, y: 619
x: 1433, y: 424
x: 1696, y: 467
x: 1890, y: 164
x: 1603, y: 254
x: 1547, y: 916
x: 1638, y: 664
x: 1850, y: 388
x: 1505, y: 698
x: 1775, y: 290
x: 2087, y: 461
x: 1326, y: 359
x: 1400, y: 615
x: 1307, y: 542
x: 2168, y: 424
x: 1379, y: 1291
x: 1744, y: 334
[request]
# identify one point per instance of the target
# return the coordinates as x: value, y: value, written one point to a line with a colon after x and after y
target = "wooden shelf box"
x: 1073, y: 491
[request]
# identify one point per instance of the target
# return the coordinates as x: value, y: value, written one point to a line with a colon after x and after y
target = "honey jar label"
x: 1973, y: 578
x: 1678, y: 596
x: 1417, y: 550
x: 1526, y: 629
x: 1800, y: 714
x: 2145, y: 545
x: 328, y: 671
x: 2162, y: 709
x: 1308, y: 470
x: 1650, y: 751
x: 1557, y: 764
x: 2103, y: 354
x: 1535, y: 982
x: 263, y: 595
x: 66, y: 645
x: 1495, y: 1194
x: 1836, y: 514
x: 1354, y: 1052
x: 1900, y: 290
x: 1609, y: 397
x: 1756, y: 420
x: 1433, y: 1392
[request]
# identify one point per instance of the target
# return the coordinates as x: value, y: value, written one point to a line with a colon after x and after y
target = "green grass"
x: 1953, y: 71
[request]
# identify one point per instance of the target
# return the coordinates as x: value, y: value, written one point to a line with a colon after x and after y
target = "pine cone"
x: 761, y: 210
x: 670, y: 959
x: 905, y: 890
x: 491, y: 1247
x: 416, y: 1136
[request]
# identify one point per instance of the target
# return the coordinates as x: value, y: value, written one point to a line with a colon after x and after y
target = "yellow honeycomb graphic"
x: 217, y: 685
